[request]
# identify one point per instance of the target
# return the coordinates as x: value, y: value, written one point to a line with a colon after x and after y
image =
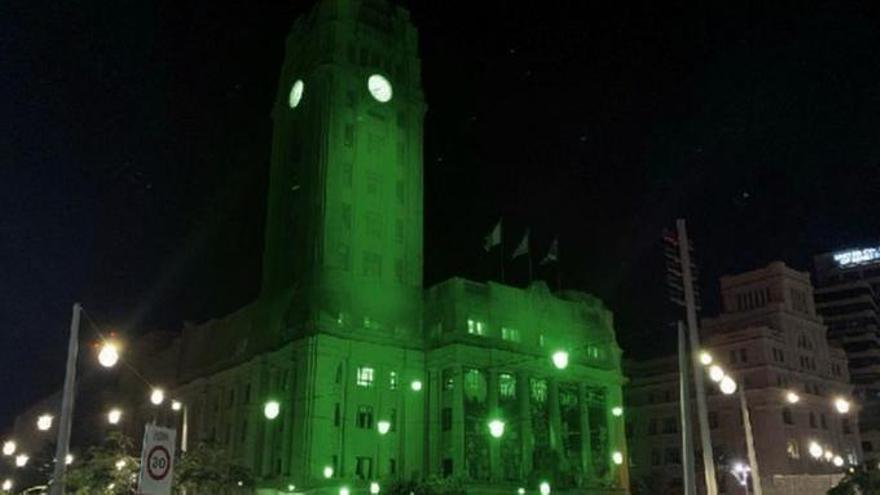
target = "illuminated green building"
x: 377, y: 378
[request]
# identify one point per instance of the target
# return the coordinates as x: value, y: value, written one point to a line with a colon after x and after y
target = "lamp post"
x: 64, y: 424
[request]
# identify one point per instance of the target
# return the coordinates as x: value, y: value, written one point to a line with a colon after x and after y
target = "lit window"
x: 510, y: 334
x: 507, y: 386
x: 539, y: 390
x: 792, y: 449
x: 541, y: 340
x: 365, y: 417
x: 475, y: 327
x: 392, y: 380
x: 365, y: 377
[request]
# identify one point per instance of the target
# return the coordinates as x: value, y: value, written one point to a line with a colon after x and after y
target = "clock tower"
x: 343, y: 237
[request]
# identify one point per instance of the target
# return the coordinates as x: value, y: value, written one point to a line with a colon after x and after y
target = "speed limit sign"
x: 157, y: 461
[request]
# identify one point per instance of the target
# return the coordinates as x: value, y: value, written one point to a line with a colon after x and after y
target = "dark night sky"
x: 135, y: 140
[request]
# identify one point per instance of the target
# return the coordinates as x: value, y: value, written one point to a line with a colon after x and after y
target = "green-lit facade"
x: 377, y: 377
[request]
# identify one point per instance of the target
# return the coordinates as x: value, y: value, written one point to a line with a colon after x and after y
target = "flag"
x: 552, y: 253
x: 493, y: 238
x: 523, y: 247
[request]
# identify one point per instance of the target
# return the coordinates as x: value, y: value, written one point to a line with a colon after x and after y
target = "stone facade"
x: 771, y: 341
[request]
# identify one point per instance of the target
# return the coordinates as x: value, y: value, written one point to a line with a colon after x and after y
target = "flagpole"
x: 529, y: 254
x: 502, y: 254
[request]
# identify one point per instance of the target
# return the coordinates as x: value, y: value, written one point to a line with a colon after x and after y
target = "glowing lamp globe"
x: 560, y: 359
x: 9, y: 447
x: 120, y: 464
x: 296, y: 93
x: 617, y: 411
x: 792, y: 398
x: 496, y: 428
x: 705, y: 358
x: 176, y: 405
x: 544, y: 488
x: 842, y: 405
x: 44, y: 422
x: 727, y: 385
x: 815, y: 450
x: 7, y: 485
x: 21, y: 460
x: 383, y: 426
x: 344, y: 491
x: 521, y: 491
x: 716, y: 373
x: 157, y: 396
x: 114, y: 416
x: 272, y: 409
x: 829, y: 455
x: 380, y: 88
x: 374, y: 488
x: 68, y: 459
x: 838, y: 461
x: 291, y: 488
x: 108, y: 356
x: 416, y: 385
x: 617, y: 457
x: 328, y: 472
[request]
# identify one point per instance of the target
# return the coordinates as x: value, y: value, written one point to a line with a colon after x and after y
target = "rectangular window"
x: 823, y: 421
x: 509, y: 334
x: 787, y: 417
x: 670, y: 425
x: 363, y: 468
x: 337, y: 415
x: 791, y: 448
x: 673, y: 455
x: 507, y: 386
x: 713, y: 419
x: 364, y: 376
x: 242, y: 433
x: 365, y: 417
x: 399, y: 231
x: 475, y: 327
x: 392, y: 380
x: 372, y: 265
x: 392, y: 466
x: 446, y: 419
x: 652, y: 426
x: 744, y: 355
x: 844, y: 424
x: 392, y: 418
x: 733, y: 356
x: 656, y: 458
x: 400, y: 192
x: 448, y: 379
x: 447, y: 467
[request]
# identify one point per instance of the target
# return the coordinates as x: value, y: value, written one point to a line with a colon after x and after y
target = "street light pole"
x: 750, y: 441
x: 64, y: 423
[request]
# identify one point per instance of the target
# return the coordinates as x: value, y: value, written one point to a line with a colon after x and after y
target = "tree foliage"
x: 863, y: 480
x: 109, y: 468
x: 431, y: 486
x: 210, y: 469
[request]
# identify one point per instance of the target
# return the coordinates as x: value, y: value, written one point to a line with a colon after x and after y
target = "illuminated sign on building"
x: 857, y: 256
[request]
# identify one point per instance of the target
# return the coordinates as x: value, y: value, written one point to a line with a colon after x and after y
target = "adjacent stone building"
x: 771, y: 341
x: 848, y: 298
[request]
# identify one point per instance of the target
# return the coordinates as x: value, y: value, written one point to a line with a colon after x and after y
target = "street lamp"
x: 44, y: 422
x: 842, y: 405
x: 120, y: 464
x: 716, y: 373
x: 114, y: 416
x: 544, y: 488
x: 617, y: 457
x: 176, y: 405
x: 727, y: 385
x: 815, y: 450
x: 838, y: 461
x: 272, y: 409
x: 68, y: 459
x: 617, y: 411
x: 416, y: 385
x: 328, y: 472
x: 560, y: 360
x: 705, y: 358
x: 521, y: 491
x: 741, y: 472
x: 828, y: 455
x: 792, y: 398
x: 108, y: 356
x: 374, y: 488
x: 7, y: 485
x: 21, y: 460
x: 9, y: 447
x: 157, y: 396
x: 344, y: 491
x: 496, y: 428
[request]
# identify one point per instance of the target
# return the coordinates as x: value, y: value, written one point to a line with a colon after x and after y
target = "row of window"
x: 670, y: 424
x: 788, y: 419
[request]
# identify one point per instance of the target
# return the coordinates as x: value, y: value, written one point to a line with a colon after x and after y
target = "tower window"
x: 507, y: 386
x: 364, y: 468
x: 365, y: 376
x: 509, y: 334
x: 372, y: 265
x: 392, y: 380
x: 365, y: 417
x: 446, y: 419
x: 349, y: 135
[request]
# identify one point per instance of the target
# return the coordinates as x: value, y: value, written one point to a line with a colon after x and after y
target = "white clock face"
x: 296, y: 93
x: 380, y: 88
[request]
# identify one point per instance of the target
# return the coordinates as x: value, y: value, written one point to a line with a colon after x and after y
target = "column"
x: 495, y: 473
x: 523, y: 391
x: 586, y: 441
x: 458, y: 423
x: 555, y: 417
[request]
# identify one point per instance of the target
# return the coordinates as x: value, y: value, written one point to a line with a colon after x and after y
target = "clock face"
x: 380, y: 88
x: 296, y: 93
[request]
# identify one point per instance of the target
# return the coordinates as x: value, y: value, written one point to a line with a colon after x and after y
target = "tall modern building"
x: 771, y: 341
x: 377, y: 379
x: 848, y: 298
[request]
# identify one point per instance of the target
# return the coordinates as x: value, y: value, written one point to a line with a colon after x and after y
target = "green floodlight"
x: 544, y: 488
x: 560, y: 359
x: 496, y: 428
x: 272, y: 409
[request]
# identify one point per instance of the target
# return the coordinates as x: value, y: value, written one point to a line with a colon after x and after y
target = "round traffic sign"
x: 158, y: 463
